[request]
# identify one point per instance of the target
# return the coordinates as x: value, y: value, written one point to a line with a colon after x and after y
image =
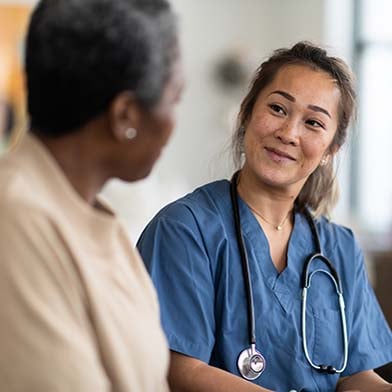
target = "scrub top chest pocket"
x: 325, y: 331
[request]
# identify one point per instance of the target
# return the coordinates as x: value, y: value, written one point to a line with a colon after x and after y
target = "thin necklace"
x: 278, y: 227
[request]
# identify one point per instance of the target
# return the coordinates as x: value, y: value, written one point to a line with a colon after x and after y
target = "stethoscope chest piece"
x: 251, y: 363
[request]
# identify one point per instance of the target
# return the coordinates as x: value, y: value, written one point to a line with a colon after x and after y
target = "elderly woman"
x: 251, y: 277
x: 78, y: 311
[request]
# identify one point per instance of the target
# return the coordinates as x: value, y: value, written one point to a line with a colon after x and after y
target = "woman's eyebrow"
x: 319, y: 109
x: 284, y: 94
x: 288, y: 96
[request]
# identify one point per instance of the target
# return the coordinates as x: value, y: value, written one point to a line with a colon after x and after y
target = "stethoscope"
x: 251, y: 362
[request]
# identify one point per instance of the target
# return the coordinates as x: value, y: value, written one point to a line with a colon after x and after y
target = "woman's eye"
x: 278, y: 109
x: 315, y: 124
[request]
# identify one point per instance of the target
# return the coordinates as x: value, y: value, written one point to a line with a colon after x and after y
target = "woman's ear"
x: 325, y: 160
x: 123, y: 116
x: 328, y: 155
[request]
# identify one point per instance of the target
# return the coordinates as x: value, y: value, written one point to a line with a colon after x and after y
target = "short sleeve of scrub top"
x: 191, y: 252
x: 177, y: 260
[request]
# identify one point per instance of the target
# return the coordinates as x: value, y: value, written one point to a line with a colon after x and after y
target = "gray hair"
x: 81, y: 53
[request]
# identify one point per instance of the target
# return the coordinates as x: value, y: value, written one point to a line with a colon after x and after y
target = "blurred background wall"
x: 215, y: 32
x: 223, y: 42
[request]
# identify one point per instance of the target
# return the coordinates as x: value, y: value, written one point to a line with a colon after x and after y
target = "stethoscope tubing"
x: 306, y: 282
x: 244, y: 262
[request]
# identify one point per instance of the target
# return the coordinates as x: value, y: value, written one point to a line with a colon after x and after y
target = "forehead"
x: 307, y: 85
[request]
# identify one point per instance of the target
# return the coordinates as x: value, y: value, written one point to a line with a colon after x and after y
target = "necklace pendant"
x: 279, y: 228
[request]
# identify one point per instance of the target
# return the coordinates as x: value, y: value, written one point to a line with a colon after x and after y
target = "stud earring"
x: 323, y: 162
x: 130, y: 133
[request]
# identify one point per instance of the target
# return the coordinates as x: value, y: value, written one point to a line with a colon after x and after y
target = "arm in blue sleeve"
x: 173, y: 250
x: 370, y: 342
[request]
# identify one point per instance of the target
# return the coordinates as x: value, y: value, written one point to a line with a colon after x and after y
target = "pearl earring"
x: 130, y: 133
x: 323, y: 162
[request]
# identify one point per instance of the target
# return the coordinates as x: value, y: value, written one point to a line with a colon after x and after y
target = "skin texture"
x: 191, y: 375
x: 364, y: 382
x: 289, y: 132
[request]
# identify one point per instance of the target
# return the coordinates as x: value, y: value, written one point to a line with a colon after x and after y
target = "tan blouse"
x: 77, y: 309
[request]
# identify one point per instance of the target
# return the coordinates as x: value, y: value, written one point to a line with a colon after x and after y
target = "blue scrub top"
x: 191, y: 252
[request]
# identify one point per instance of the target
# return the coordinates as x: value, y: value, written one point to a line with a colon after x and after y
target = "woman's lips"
x: 278, y: 155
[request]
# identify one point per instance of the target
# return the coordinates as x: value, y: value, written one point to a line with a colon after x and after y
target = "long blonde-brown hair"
x: 320, y: 190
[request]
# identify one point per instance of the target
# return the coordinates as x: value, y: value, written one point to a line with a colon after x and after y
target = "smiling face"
x: 291, y: 128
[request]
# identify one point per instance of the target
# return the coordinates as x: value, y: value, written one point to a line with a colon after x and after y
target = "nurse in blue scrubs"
x: 291, y: 124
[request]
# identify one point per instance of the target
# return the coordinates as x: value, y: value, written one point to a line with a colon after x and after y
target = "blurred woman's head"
x: 81, y: 53
x: 318, y: 192
x: 86, y: 58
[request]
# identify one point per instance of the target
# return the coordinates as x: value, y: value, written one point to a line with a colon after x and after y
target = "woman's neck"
x: 273, y: 209
x: 75, y: 155
x: 273, y: 205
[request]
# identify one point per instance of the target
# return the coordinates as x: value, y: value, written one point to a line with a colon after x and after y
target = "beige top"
x: 77, y: 309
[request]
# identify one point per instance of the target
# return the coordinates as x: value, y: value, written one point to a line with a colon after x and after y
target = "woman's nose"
x: 288, y: 132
